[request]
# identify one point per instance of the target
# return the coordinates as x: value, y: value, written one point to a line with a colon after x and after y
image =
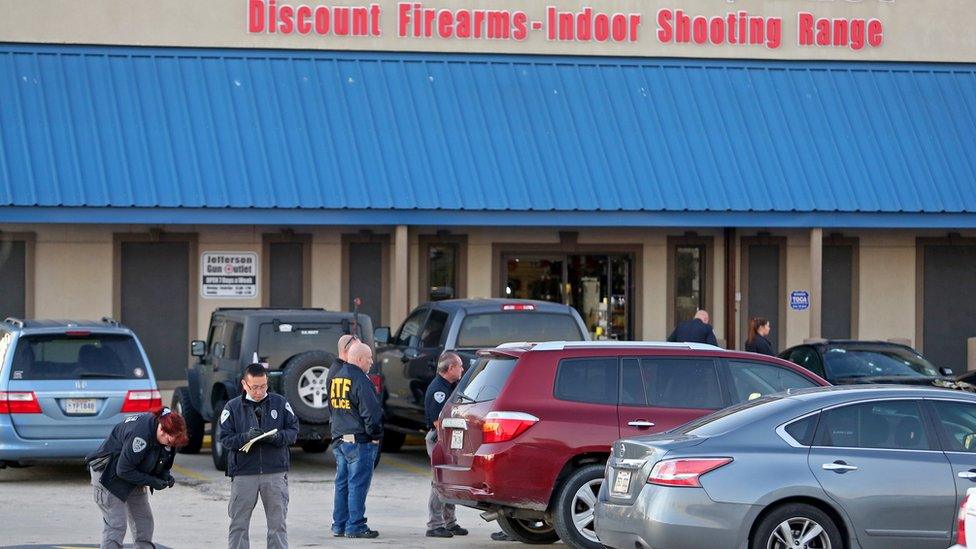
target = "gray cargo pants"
x: 115, y: 513
x: 439, y: 514
x: 244, y: 491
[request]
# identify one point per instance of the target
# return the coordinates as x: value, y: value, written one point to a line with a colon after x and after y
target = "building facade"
x: 808, y: 162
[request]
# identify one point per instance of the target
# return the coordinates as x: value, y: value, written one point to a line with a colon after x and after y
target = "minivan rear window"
x: 486, y: 379
x: 59, y: 356
x: 491, y: 329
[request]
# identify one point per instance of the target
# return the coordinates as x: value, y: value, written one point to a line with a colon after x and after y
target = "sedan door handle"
x: 640, y: 424
x: 971, y: 474
x: 838, y: 467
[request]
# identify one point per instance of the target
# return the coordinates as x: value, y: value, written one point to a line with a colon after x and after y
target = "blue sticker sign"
x: 799, y: 300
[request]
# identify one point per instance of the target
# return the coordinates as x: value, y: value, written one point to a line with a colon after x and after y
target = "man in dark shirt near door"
x: 442, y: 521
x: 696, y: 330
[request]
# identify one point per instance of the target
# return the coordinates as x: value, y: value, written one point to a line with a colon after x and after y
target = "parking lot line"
x: 189, y: 473
x: 404, y: 466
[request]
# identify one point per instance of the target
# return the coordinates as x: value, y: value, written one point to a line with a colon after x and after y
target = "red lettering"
x: 618, y: 26
x: 341, y: 16
x: 360, y: 21
x: 322, y: 19
x: 403, y: 20
x: 840, y: 32
x: 551, y: 23
x: 700, y: 25
x: 302, y: 15
x: 804, y: 23
x: 717, y: 31
x: 499, y: 24
x: 601, y: 30
x: 664, y: 31
x: 255, y: 16
x: 272, y: 16
x: 584, y: 25
x: 856, y: 35
x: 462, y: 27
x: 774, y: 34
x: 875, y: 33
x: 445, y: 20
x: 286, y: 23
x: 823, y: 32
x: 635, y: 20
x: 478, y: 21
x: 374, y: 12
x: 520, y: 20
x: 683, y: 23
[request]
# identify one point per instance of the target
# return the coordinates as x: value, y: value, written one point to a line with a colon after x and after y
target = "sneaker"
x: 338, y: 534
x: 457, y: 530
x: 500, y: 536
x: 439, y: 532
x: 367, y: 533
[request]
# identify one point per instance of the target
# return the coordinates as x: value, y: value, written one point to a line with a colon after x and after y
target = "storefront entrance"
x: 599, y: 286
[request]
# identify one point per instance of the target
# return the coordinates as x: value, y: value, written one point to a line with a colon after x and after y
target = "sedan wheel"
x: 798, y: 533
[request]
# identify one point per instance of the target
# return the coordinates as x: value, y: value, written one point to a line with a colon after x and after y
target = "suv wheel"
x: 531, y: 531
x: 182, y: 405
x: 575, y: 503
x: 797, y: 525
x: 304, y: 385
x: 217, y: 450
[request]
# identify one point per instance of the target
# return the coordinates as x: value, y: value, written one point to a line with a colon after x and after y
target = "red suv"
x: 527, y: 433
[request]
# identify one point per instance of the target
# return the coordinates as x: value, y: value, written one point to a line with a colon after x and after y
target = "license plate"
x: 621, y: 483
x: 457, y: 439
x: 79, y: 406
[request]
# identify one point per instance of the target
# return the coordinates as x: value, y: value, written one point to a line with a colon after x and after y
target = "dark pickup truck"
x: 407, y: 360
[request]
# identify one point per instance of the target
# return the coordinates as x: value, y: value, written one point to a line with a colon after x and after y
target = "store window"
x: 441, y: 275
x: 598, y: 286
x: 688, y: 278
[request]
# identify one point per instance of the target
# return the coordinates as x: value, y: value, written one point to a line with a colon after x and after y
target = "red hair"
x: 172, y: 424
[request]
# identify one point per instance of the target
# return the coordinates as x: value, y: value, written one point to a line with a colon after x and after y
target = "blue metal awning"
x: 108, y: 134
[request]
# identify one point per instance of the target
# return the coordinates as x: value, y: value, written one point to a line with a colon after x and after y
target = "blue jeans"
x: 354, y: 471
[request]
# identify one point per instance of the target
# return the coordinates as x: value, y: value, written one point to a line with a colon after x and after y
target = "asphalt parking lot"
x: 51, y: 505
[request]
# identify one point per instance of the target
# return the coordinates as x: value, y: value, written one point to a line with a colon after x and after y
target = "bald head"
x: 702, y: 315
x: 361, y: 355
x: 344, y: 346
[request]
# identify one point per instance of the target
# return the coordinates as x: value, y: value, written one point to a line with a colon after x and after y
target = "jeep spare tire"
x: 305, y: 387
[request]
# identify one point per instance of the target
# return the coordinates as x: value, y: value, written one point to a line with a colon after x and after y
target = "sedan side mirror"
x: 381, y: 335
x: 198, y: 348
x: 945, y: 371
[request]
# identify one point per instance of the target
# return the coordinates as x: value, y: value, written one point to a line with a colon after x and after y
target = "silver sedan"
x: 869, y: 467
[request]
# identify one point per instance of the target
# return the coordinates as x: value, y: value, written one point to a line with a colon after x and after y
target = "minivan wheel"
x: 182, y: 405
x: 575, y: 504
x: 797, y: 526
x: 217, y: 450
x: 531, y: 531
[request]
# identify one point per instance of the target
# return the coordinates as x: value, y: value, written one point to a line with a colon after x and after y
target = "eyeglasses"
x: 349, y: 343
x: 256, y: 387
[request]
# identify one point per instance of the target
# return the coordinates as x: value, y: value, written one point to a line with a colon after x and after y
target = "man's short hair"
x: 255, y: 370
x: 446, y: 360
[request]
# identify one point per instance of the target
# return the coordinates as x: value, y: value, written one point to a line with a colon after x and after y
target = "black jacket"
x: 693, y: 331
x: 355, y: 407
x: 435, y: 398
x: 136, y: 458
x: 270, y: 455
x: 760, y: 345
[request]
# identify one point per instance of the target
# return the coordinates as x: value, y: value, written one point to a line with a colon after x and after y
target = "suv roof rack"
x: 110, y: 320
x: 14, y: 320
x: 560, y: 345
x: 516, y: 345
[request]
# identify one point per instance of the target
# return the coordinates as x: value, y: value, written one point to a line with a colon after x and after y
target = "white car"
x: 966, y: 520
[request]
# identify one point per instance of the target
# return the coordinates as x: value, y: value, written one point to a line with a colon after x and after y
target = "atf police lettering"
x: 339, y: 393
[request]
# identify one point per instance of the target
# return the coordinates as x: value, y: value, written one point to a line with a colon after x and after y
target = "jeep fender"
x: 221, y: 391
x: 193, y: 386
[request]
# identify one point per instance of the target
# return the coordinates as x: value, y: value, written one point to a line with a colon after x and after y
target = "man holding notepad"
x: 257, y: 429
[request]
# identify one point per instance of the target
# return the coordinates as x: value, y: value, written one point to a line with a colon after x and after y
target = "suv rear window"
x: 490, y: 329
x: 487, y: 378
x: 275, y: 347
x: 94, y: 356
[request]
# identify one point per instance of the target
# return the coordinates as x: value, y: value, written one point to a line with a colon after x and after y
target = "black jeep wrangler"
x: 298, y: 345
x: 407, y: 360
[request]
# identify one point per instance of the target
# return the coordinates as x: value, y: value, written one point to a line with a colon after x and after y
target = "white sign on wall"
x: 232, y: 275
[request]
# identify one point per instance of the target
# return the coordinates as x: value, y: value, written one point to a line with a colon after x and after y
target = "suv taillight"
x: 504, y: 426
x: 19, y: 402
x: 961, y: 523
x: 141, y: 401
x: 684, y: 472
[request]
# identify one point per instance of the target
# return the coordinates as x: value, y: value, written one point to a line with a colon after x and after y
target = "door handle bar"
x: 839, y: 467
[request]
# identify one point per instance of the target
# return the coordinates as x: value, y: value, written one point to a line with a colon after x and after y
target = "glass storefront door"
x: 598, y: 286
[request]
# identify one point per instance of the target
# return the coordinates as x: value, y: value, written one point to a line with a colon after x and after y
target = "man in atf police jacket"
x: 263, y: 468
x: 357, y: 425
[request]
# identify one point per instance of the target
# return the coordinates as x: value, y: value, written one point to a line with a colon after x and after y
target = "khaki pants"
x: 116, y: 513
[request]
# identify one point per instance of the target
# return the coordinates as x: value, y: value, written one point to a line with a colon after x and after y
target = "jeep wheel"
x: 574, y: 506
x: 531, y: 531
x: 304, y: 385
x: 182, y: 405
x: 217, y: 450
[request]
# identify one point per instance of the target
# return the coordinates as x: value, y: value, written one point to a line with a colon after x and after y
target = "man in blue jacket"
x: 357, y: 426
x: 263, y: 468
x: 696, y: 330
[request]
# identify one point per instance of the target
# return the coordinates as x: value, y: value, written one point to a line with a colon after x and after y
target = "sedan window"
x: 895, y: 424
